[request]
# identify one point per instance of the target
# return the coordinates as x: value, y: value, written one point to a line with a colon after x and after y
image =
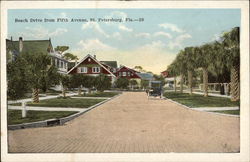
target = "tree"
x: 204, y: 56
x: 65, y: 80
x: 18, y: 78
x: 231, y: 55
x: 103, y: 82
x: 61, y: 49
x: 181, y: 67
x: 190, y: 65
x: 70, y: 56
x: 122, y: 83
x: 172, y: 70
x: 50, y: 78
x: 39, y: 69
x: 144, y: 84
x: 133, y: 83
x: 76, y: 81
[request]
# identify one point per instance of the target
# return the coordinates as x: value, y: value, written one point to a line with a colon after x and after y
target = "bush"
x: 122, y: 83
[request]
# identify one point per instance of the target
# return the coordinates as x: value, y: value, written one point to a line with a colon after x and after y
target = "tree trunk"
x: 235, y: 84
x: 205, y: 81
x: 190, y: 82
x: 63, y: 91
x: 174, y: 83
x: 79, y: 90
x: 181, y: 88
x: 35, y: 95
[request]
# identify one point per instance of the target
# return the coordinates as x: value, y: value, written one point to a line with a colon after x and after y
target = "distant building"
x: 164, y: 74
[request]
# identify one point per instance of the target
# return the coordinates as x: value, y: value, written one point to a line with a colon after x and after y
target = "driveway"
x: 132, y: 123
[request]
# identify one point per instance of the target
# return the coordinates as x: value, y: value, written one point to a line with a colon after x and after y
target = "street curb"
x: 60, y: 121
x: 237, y: 116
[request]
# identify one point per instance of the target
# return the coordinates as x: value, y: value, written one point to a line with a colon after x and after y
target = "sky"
x: 151, y: 42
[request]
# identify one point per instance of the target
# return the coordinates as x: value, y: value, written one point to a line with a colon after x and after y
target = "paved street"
x: 132, y: 123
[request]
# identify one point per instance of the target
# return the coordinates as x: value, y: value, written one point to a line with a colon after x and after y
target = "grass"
x: 196, y: 100
x: 100, y: 94
x: 15, y: 116
x: 64, y: 102
x: 232, y: 112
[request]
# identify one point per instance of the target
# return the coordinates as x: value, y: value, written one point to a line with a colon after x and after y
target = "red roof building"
x: 89, y: 65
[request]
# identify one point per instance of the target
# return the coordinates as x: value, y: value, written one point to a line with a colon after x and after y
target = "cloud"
x: 163, y: 34
x: 152, y: 56
x: 124, y: 28
x: 177, y: 42
x: 63, y: 15
x: 144, y: 35
x: 95, y: 26
x: 40, y: 32
x: 153, y: 45
x: 117, y: 35
x: 58, y: 31
x: 93, y: 45
x: 172, y: 27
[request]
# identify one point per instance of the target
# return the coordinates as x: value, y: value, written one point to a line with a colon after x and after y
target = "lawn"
x: 196, y: 100
x: 15, y: 116
x: 232, y: 112
x: 64, y: 102
x: 100, y: 94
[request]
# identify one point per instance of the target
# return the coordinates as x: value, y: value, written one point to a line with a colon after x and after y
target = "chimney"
x: 20, y: 44
x: 95, y: 56
x: 75, y: 62
x: 11, y: 38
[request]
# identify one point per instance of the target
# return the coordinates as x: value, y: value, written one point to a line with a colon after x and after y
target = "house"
x: 131, y: 74
x: 125, y: 72
x: 164, y: 74
x: 14, y: 48
x: 90, y: 66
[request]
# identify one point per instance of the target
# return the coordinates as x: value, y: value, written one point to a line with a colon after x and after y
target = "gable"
x: 89, y: 61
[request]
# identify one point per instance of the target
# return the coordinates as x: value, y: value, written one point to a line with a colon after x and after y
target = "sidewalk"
x: 201, y: 93
x: 46, y: 108
x: 215, y: 108
x: 40, y: 98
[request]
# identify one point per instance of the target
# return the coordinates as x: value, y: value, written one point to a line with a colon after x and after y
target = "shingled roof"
x: 30, y: 46
x: 112, y: 64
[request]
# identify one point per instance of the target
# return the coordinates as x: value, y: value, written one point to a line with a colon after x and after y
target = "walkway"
x: 36, y: 108
x: 132, y: 123
x: 40, y: 98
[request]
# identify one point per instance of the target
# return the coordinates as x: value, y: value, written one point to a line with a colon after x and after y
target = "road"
x: 132, y: 123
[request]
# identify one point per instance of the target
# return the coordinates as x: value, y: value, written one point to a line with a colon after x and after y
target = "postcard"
x: 125, y: 81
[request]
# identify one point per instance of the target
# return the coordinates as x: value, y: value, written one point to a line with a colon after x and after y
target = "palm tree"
x: 65, y: 80
x: 190, y: 65
x: 204, y: 55
x: 181, y: 67
x: 231, y: 55
x: 172, y: 71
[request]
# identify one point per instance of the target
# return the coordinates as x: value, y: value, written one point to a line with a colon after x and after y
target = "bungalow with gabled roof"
x: 89, y: 65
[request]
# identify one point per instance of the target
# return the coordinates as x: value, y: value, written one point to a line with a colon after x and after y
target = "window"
x: 83, y: 69
x: 124, y: 73
x: 89, y: 60
x: 96, y: 69
x: 128, y: 73
x: 62, y: 64
x: 120, y: 73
